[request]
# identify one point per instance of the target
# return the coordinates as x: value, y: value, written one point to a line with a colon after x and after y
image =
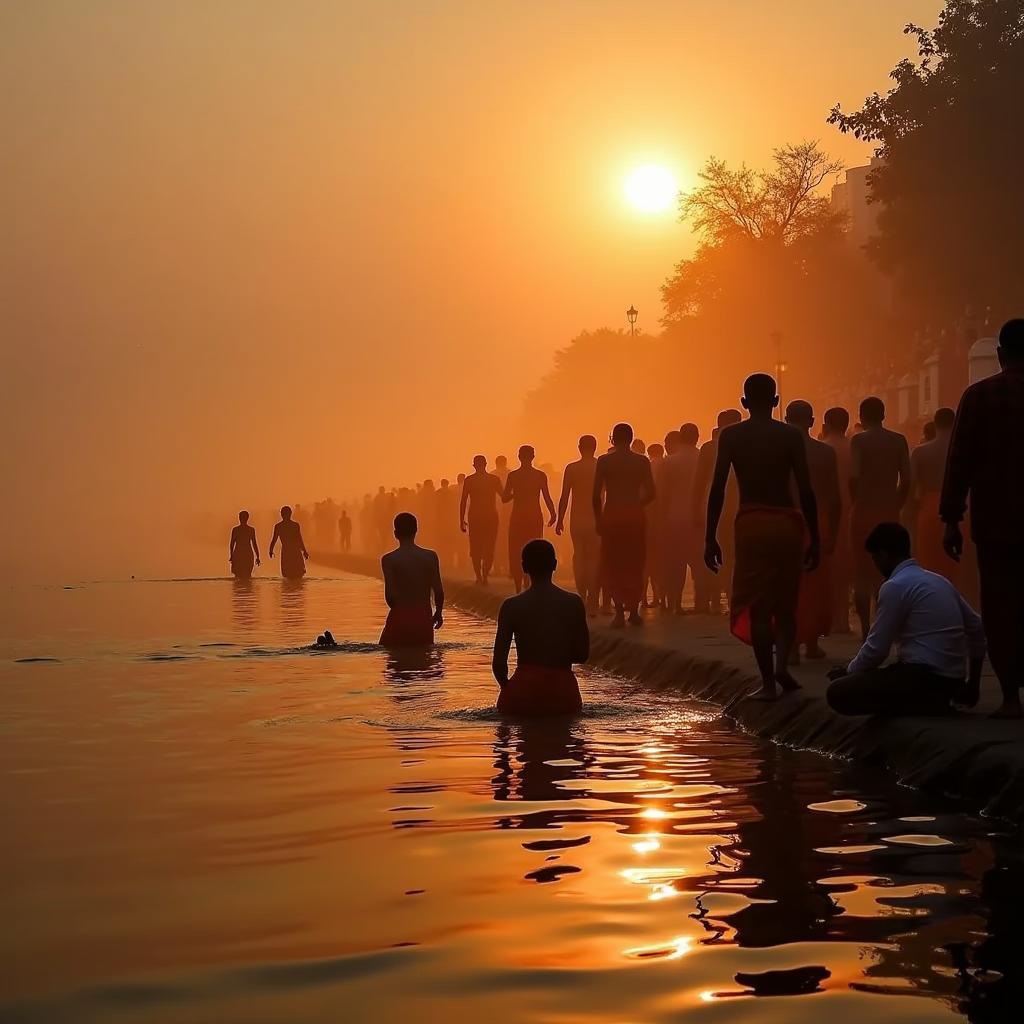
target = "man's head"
x: 638, y: 447
x: 760, y: 394
x: 286, y: 512
x: 461, y: 478
x: 689, y: 435
x: 405, y: 526
x: 800, y: 414
x: 944, y: 419
x: 243, y: 517
x: 729, y: 417
x: 837, y: 421
x: 1011, y: 343
x: 539, y: 560
x: 655, y: 451
x: 622, y: 435
x: 872, y: 412
x: 480, y: 463
x: 501, y: 462
x: 526, y: 455
x: 888, y: 544
x: 587, y: 445
x: 673, y: 442
x: 445, y: 483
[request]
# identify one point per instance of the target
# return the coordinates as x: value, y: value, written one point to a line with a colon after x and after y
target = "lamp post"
x: 631, y: 314
x: 780, y: 368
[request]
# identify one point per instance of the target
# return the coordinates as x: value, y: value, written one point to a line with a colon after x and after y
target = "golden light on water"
x: 647, y: 844
x: 651, y: 188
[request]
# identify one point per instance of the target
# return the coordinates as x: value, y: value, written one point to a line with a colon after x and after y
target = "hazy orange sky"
x: 265, y: 252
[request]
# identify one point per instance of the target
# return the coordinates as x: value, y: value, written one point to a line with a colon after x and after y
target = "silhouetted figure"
x: 411, y: 575
x: 501, y: 547
x: 771, y: 538
x: 481, y: 492
x: 243, y: 550
x: 549, y: 626
x: 879, y: 485
x: 940, y: 642
x: 986, y: 464
x: 293, y: 548
x: 836, y: 424
x: 382, y: 517
x: 927, y: 468
x: 623, y: 488
x: 814, y: 609
x: 345, y: 531
x: 638, y: 447
x: 524, y: 488
x: 325, y: 640
x: 655, y: 528
x: 446, y: 502
x: 675, y: 496
x: 578, y: 488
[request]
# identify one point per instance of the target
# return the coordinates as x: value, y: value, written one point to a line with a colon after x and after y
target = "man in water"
x: 938, y: 636
x: 578, y: 487
x: 243, y: 549
x: 623, y: 488
x: 549, y: 626
x: 772, y: 540
x: 814, y: 610
x: 927, y: 467
x: 676, y: 498
x: 411, y: 575
x: 481, y: 493
x: 986, y: 456
x: 879, y: 485
x: 293, y: 547
x: 836, y: 424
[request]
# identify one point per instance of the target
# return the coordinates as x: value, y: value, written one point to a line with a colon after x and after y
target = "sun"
x: 651, y: 188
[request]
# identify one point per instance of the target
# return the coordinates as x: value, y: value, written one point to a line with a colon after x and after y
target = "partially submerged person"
x: 549, y: 627
x: 243, y: 550
x: 481, y: 494
x: 577, y: 498
x: 293, y: 547
x: 773, y: 540
x: 939, y: 639
x: 325, y: 639
x: 412, y: 575
x: 623, y: 488
x: 524, y: 488
x: 927, y: 468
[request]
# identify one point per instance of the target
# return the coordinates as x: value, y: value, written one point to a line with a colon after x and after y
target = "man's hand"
x: 812, y: 558
x: 462, y: 525
x: 837, y: 673
x: 257, y: 561
x: 559, y: 528
x: 551, y: 521
x: 713, y: 555
x: 953, y: 541
x: 438, y: 619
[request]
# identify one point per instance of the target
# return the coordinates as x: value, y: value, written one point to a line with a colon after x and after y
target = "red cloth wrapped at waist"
x: 624, y: 552
x: 536, y: 691
x: 408, y: 626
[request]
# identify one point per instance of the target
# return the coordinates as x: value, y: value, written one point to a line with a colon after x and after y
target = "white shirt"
x: 930, y: 623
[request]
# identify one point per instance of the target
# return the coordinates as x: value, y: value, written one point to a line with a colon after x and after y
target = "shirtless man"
x: 836, y: 424
x: 524, y: 488
x: 501, y: 546
x: 814, y: 610
x: 481, y: 491
x: 549, y: 626
x: 772, y: 539
x: 623, y: 488
x: 879, y: 485
x: 411, y: 575
x: 675, y: 495
x: 578, y: 486
x: 927, y: 468
x: 653, y: 575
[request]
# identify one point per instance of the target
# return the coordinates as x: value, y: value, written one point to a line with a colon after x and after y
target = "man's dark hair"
x: 800, y: 413
x: 759, y: 390
x: 872, y: 410
x: 539, y: 558
x: 689, y: 433
x: 892, y: 538
x: 587, y: 443
x: 622, y: 433
x: 405, y: 525
x: 729, y: 417
x: 837, y: 419
x: 944, y: 418
x: 1011, y: 338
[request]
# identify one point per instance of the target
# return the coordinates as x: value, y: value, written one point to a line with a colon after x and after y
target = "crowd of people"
x: 805, y: 527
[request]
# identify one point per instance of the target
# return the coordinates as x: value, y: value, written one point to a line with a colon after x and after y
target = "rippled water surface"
x: 206, y: 821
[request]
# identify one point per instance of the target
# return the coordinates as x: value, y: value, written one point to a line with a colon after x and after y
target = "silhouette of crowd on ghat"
x: 807, y: 514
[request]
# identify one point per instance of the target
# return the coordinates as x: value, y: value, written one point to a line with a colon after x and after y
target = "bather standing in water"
x: 549, y: 626
x: 293, y: 548
x: 411, y: 576
x: 243, y: 549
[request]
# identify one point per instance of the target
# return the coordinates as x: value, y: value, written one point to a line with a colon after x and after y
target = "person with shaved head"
x: 577, y: 499
x: 412, y: 575
x: 481, y: 492
x: 524, y: 488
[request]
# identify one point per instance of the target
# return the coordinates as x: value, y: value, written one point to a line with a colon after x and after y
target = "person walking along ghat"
x: 985, y: 465
x: 293, y: 547
x: 549, y: 627
x: 927, y: 468
x: 578, y: 486
x: 773, y: 541
x: 623, y: 488
x: 412, y: 575
x: 243, y: 549
x: 481, y: 492
x: 524, y: 488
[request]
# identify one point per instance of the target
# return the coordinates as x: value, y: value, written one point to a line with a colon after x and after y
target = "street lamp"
x: 780, y: 368
x: 631, y: 315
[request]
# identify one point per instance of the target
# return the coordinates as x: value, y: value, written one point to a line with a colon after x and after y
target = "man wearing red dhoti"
x: 623, y: 487
x: 773, y: 540
x: 411, y: 575
x: 549, y: 626
x: 927, y: 467
x: 814, y: 608
x: 524, y: 488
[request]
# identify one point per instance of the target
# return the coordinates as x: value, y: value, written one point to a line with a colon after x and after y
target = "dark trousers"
x: 1001, y: 568
x: 892, y: 690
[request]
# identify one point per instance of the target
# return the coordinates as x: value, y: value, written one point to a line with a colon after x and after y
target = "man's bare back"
x: 549, y: 626
x: 482, y: 492
x: 625, y: 479
x: 578, y: 485
x: 411, y: 574
x: 766, y: 456
x: 880, y: 470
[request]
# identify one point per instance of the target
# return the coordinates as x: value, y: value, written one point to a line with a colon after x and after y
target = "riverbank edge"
x: 969, y: 758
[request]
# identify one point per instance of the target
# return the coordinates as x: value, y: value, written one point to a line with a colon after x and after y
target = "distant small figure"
x: 549, y: 626
x: 524, y: 488
x: 481, y: 493
x: 638, y: 447
x: 411, y: 576
x: 243, y: 550
x: 928, y: 432
x: 578, y: 488
x: 345, y: 531
x: 675, y: 495
x: 326, y: 639
x: 293, y: 548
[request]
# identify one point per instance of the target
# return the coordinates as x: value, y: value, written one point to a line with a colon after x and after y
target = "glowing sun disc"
x: 651, y: 188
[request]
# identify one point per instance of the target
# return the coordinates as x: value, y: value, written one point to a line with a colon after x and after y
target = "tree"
x: 948, y: 133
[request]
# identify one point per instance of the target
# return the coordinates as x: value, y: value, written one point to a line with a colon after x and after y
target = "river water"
x: 208, y: 821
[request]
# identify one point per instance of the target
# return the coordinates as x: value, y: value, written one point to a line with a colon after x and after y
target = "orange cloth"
x: 408, y: 626
x: 769, y: 556
x: 522, y: 528
x: 928, y: 540
x: 814, y: 606
x: 536, y: 691
x: 624, y: 552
